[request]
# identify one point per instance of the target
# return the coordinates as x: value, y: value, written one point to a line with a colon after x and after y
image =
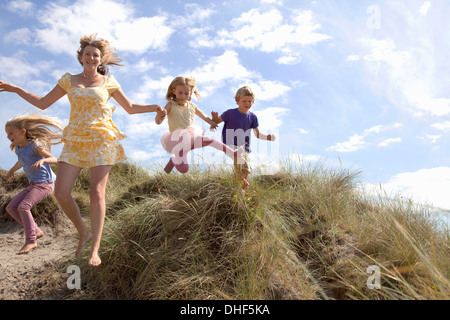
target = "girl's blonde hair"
x: 108, y: 54
x: 182, y: 81
x: 244, y: 91
x: 37, y: 129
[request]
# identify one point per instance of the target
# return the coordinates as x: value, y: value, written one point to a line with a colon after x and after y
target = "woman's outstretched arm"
x: 37, y: 101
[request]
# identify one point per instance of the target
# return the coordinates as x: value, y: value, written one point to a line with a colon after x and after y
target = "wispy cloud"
x: 388, y: 142
x: 402, y: 63
x: 17, y: 70
x: 21, y: 7
x: 354, y: 143
x: 427, y: 186
x: 116, y: 21
x: 425, y: 7
x: 358, y: 141
x: 267, y: 31
x: 441, y: 125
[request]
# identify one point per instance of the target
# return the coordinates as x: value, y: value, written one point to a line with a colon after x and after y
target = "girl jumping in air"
x: 183, y: 136
x: 31, y: 139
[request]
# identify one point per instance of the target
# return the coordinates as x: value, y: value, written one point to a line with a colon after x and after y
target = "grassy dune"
x: 304, y: 233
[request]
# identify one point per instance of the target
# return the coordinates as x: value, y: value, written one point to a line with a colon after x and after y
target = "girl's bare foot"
x: 82, y: 243
x: 27, y: 248
x: 95, y: 259
x: 39, y: 234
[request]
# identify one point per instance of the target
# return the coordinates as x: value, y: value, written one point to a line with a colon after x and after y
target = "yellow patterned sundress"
x: 91, y: 139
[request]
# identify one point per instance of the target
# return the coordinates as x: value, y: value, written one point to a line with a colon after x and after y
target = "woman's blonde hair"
x: 244, y: 91
x: 108, y: 54
x: 38, y: 129
x: 182, y: 81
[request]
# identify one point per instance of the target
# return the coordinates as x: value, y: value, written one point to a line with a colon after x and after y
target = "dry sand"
x: 34, y: 275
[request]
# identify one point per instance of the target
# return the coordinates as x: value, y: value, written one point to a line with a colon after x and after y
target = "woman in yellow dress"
x: 91, y: 139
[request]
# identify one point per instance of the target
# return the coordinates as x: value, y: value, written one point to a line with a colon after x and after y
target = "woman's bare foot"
x: 95, y: 259
x: 27, y: 248
x: 82, y: 243
x: 39, y: 234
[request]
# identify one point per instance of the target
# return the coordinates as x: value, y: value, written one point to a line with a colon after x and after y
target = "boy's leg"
x: 242, y: 170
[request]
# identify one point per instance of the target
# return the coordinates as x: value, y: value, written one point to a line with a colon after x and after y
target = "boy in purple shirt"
x: 238, y: 124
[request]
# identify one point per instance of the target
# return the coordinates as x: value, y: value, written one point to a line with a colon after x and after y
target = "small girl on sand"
x: 31, y: 139
x: 183, y: 136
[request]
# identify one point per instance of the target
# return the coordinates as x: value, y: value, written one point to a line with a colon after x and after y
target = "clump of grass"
x: 196, y: 238
x: 304, y: 233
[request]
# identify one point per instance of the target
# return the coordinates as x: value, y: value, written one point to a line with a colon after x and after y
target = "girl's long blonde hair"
x: 108, y: 53
x: 182, y: 81
x: 38, y: 129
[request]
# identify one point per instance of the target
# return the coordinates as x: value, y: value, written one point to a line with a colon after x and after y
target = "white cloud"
x: 357, y: 142
x: 424, y: 8
x: 21, y: 7
x: 17, y: 70
x: 302, y: 131
x: 151, y: 90
x: 388, y: 142
x: 380, y: 128
x: 405, y: 66
x: 353, y: 57
x: 217, y: 70
x: 270, y: 118
x: 112, y: 20
x: 431, y: 138
x: 427, y: 186
x: 442, y: 125
x: 268, y: 90
x: 19, y: 36
x: 268, y: 32
x: 278, y: 2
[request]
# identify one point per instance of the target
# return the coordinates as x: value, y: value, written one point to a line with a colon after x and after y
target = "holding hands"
x: 161, y: 114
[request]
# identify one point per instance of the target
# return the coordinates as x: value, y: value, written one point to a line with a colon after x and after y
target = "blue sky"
x: 358, y: 83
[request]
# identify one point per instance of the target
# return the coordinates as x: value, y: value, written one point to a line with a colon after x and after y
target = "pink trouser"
x: 179, y: 160
x: 20, y: 207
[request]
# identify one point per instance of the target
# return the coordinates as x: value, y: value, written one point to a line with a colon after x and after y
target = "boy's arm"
x: 259, y: 135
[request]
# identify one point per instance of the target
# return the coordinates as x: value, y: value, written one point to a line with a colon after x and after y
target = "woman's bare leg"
x: 99, y: 179
x: 65, y: 180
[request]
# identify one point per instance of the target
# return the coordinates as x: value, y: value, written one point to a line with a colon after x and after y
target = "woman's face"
x: 91, y: 58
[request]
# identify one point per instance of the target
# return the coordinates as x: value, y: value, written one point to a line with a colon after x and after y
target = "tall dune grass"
x: 305, y: 233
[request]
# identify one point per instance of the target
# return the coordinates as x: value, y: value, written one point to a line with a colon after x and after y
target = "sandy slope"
x: 21, y: 276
